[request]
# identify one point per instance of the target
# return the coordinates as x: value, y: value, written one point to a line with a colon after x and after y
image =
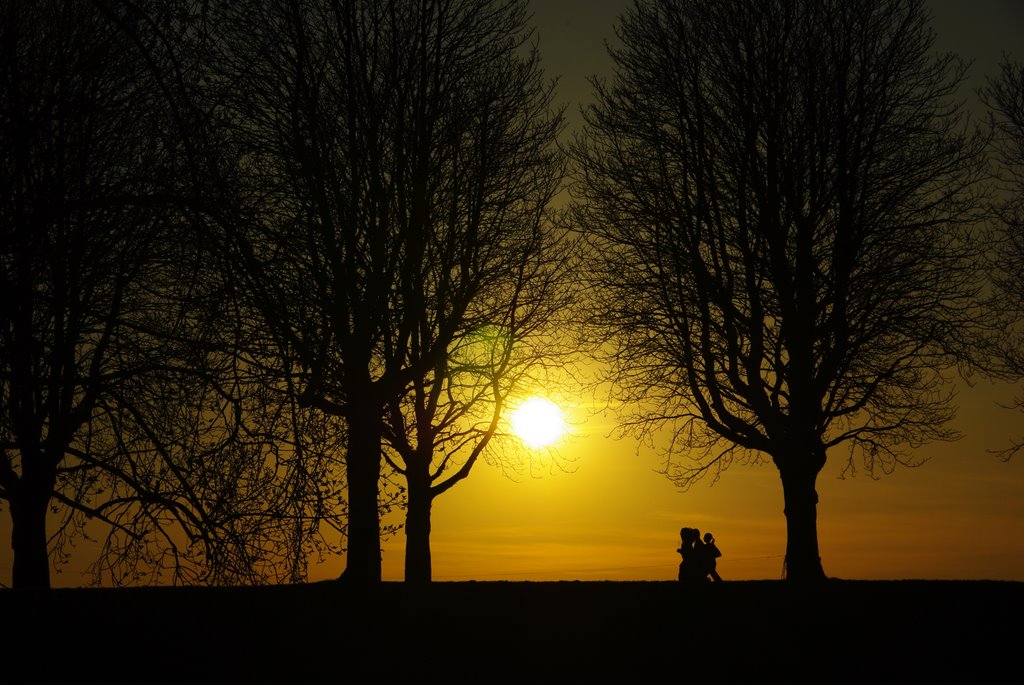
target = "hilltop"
x: 559, y: 632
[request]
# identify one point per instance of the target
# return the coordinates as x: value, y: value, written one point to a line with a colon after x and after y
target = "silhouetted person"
x: 685, y: 546
x: 693, y: 568
x: 699, y: 557
x: 711, y: 554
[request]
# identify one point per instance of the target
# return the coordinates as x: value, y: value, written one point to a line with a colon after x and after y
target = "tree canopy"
x: 780, y: 199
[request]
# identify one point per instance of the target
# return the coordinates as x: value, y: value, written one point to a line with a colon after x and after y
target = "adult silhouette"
x: 692, y: 566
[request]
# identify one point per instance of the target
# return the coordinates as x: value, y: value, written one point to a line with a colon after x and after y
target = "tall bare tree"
x: 780, y: 198
x: 397, y: 158
x: 495, y: 291
x: 76, y: 256
x: 491, y: 275
x: 123, y: 402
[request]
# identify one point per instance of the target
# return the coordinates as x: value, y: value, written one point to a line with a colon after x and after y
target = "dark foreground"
x: 488, y: 632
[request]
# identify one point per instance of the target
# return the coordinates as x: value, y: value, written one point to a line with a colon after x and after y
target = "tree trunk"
x: 417, y: 527
x: 31, y: 567
x: 803, y: 562
x: 363, y: 467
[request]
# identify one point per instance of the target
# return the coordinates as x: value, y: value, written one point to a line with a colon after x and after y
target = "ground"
x: 533, y: 632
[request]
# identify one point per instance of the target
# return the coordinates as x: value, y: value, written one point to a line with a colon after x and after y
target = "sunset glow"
x: 538, y: 422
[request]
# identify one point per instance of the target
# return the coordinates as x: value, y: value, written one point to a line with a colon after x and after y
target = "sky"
x: 600, y: 509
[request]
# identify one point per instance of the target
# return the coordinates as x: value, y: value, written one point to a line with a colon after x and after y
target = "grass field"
x: 530, y: 632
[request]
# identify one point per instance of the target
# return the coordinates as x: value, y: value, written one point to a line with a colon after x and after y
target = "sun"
x: 538, y: 422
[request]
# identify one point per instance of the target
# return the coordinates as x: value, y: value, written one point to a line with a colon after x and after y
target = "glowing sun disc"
x: 538, y: 422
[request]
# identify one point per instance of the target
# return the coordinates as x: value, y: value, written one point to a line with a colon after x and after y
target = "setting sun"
x: 538, y: 422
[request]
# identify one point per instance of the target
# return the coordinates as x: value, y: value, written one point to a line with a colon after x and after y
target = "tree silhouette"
x: 1004, y: 95
x: 489, y: 275
x: 779, y: 197
x: 123, y: 401
x: 500, y: 317
x: 393, y: 162
x: 77, y: 254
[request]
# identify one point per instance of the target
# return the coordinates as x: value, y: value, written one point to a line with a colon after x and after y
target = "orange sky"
x: 960, y: 516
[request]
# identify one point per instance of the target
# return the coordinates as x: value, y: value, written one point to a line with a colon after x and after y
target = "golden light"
x: 538, y: 422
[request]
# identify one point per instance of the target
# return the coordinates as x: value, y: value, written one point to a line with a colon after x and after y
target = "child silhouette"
x: 712, y: 553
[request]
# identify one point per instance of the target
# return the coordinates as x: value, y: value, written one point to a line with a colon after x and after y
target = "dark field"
x: 558, y: 632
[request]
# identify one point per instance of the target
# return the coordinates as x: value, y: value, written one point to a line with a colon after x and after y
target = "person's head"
x: 708, y: 537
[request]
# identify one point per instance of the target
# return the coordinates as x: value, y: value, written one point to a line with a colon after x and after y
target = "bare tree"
x: 396, y: 159
x: 123, y: 401
x: 1004, y: 96
x: 780, y: 198
x: 75, y: 255
x: 491, y: 274
x: 495, y: 290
